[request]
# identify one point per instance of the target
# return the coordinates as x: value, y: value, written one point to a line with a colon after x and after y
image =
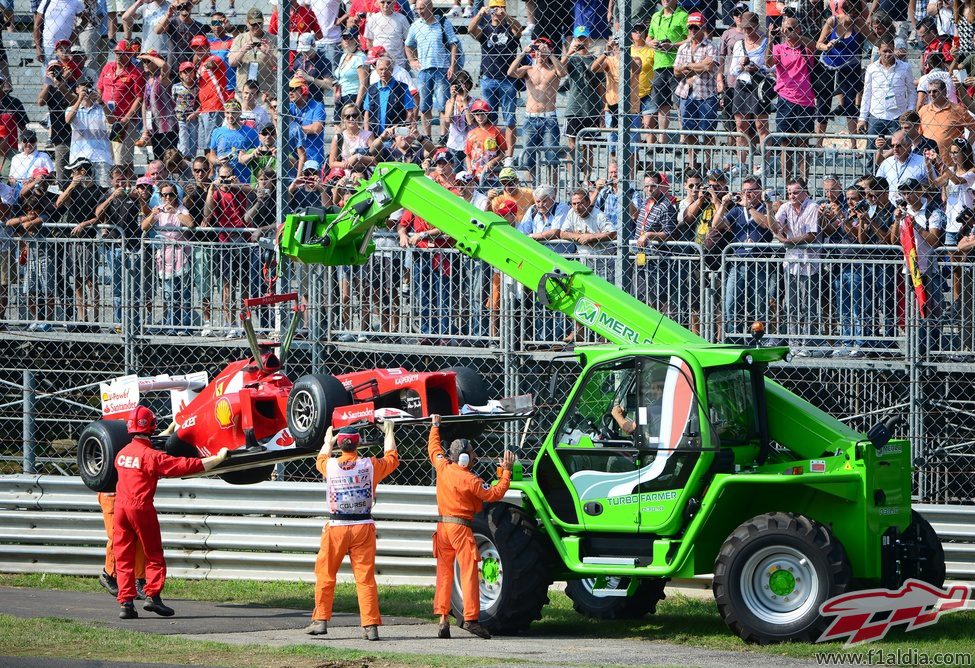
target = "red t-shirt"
x: 229, y: 210
x: 121, y: 87
x: 942, y: 44
x: 140, y: 468
x: 303, y: 19
x: 212, y: 79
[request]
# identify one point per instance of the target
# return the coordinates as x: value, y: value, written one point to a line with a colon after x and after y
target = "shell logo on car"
x: 223, y: 412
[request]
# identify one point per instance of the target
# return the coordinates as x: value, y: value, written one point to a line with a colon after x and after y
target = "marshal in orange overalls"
x: 460, y: 494
x: 351, y: 488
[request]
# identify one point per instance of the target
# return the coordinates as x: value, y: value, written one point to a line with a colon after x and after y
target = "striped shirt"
x: 429, y: 40
x: 698, y: 85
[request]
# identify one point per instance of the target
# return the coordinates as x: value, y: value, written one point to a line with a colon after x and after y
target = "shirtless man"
x: 544, y: 75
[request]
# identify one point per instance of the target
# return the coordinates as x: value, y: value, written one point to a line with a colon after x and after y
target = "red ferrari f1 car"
x: 253, y: 408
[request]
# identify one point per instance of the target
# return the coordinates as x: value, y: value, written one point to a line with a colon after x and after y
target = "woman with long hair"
x: 750, y: 104
x: 351, y: 76
x: 955, y: 177
x: 838, y: 70
x: 350, y: 143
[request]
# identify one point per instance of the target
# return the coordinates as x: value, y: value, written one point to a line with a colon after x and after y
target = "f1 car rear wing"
x: 121, y: 395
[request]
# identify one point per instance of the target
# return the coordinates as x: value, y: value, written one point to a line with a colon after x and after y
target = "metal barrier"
x: 783, y: 156
x: 212, y: 530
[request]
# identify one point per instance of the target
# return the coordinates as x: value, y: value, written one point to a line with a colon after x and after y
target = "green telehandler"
x: 671, y: 457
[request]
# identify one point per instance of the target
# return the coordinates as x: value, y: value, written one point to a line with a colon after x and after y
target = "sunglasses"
x: 199, y: 171
x: 167, y: 194
x: 255, y: 25
x: 693, y: 27
x: 789, y: 30
x: 350, y: 117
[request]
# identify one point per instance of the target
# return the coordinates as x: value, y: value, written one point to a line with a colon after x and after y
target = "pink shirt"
x: 793, y: 74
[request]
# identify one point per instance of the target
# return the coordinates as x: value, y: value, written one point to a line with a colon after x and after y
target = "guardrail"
x: 212, y: 530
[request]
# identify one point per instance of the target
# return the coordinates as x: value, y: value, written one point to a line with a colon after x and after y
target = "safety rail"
x: 270, y: 531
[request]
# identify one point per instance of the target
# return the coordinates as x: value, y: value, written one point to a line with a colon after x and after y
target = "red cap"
x: 199, y: 40
x: 40, y: 171
x: 141, y: 421
x: 480, y: 105
x: 347, y: 435
x: 62, y: 42
x: 186, y: 65
x: 151, y: 52
x: 695, y: 19
x: 506, y: 207
x: 440, y: 154
x: 375, y: 53
x: 122, y: 46
x: 334, y: 174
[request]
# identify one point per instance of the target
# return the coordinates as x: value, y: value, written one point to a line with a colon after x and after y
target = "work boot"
x: 110, y: 583
x: 370, y: 632
x: 444, y: 630
x: 127, y: 611
x: 318, y: 627
x: 155, y: 604
x: 476, y: 629
x: 140, y: 589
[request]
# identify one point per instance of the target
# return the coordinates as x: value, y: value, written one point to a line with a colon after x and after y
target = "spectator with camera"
x: 181, y: 27
x: 955, y: 177
x: 543, y: 77
x: 152, y: 13
x: 853, y: 282
x: 252, y: 53
x: 211, y: 75
x: 226, y: 204
x: 400, y: 144
x: 76, y: 205
x: 309, y: 66
x: 230, y: 140
x: 120, y: 86
x: 173, y: 258
x: 797, y: 225
x: 793, y: 60
x: 89, y: 130
x: 486, y: 146
x: 432, y: 48
x: 457, y: 117
x: 186, y: 105
x: 58, y: 94
x: 666, y: 31
x: 498, y: 33
x: 160, y: 131
x: 262, y: 157
x: 903, y: 165
x: 307, y: 191
x: 583, y: 105
x: 38, y: 280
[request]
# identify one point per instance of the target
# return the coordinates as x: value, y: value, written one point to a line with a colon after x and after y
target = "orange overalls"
x: 460, y: 494
x: 139, y: 469
x: 107, y: 502
x: 351, y: 482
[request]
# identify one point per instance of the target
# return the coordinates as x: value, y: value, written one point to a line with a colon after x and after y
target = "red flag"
x: 913, y: 268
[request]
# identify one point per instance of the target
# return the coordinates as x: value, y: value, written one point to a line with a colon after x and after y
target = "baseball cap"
x: 306, y: 41
x: 254, y: 14
x: 440, y: 155
x: 910, y: 185
x: 349, y: 34
x: 77, y: 50
x: 199, y: 41
x: 695, y: 19
x: 28, y: 135
x: 150, y: 52
x: 143, y: 181
x: 122, y: 46
x: 84, y: 163
x: 480, y: 105
x: 508, y: 174
x: 464, y: 177
x: 40, y: 172
x: 581, y: 31
x: 186, y: 65
x: 334, y: 174
x: 231, y: 105
x: 311, y: 166
x: 62, y: 43
x: 495, y: 3
x: 739, y: 9
x: 506, y: 206
x: 375, y: 53
x: 639, y: 27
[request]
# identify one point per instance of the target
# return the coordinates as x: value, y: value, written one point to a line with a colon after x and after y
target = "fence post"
x: 29, y: 423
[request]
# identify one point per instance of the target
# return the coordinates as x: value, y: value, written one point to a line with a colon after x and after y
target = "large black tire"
x: 471, y: 389
x: 310, y: 405
x: 248, y: 476
x: 98, y: 445
x: 515, y: 570
x: 644, y: 600
x: 773, y: 573
x: 932, y: 570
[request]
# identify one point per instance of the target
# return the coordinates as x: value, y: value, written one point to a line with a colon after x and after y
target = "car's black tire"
x: 754, y: 599
x: 649, y: 592
x: 248, y: 476
x: 932, y: 570
x: 98, y: 445
x: 310, y: 405
x: 177, y: 447
x: 515, y: 567
x: 471, y: 389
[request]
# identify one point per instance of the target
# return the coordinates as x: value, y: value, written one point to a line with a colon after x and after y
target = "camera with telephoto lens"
x: 862, y: 206
x: 966, y: 218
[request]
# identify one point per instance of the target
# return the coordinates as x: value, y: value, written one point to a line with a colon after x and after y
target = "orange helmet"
x: 141, y: 421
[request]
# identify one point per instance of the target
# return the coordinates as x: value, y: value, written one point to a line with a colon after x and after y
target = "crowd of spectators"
x: 384, y: 80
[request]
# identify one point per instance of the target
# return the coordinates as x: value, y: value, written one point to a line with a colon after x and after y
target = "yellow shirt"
x: 645, y: 54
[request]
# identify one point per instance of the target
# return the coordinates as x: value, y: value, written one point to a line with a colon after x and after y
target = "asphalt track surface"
x: 236, y: 624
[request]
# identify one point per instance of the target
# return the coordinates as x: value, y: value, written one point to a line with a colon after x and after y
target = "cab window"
x: 734, y: 414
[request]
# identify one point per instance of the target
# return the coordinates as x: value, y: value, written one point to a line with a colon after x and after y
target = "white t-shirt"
x: 595, y: 223
x: 928, y: 218
x: 400, y: 75
x: 89, y: 135
x: 959, y: 196
x: 389, y: 32
x: 327, y: 11
x: 897, y: 172
x: 152, y: 13
x: 59, y: 17
x: 24, y: 164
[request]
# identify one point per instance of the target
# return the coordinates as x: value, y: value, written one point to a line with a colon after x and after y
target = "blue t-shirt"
x: 228, y: 142
x: 744, y: 229
x: 592, y: 14
x: 221, y: 49
x: 314, y: 144
x: 428, y: 41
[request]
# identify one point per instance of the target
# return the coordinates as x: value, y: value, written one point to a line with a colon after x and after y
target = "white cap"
x: 311, y: 164
x: 306, y: 41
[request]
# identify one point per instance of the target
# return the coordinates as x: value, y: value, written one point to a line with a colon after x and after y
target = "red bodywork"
x: 417, y: 393
x: 241, y: 397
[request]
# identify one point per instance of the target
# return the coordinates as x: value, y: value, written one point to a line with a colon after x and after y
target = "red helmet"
x: 141, y: 421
